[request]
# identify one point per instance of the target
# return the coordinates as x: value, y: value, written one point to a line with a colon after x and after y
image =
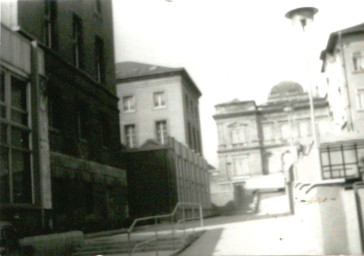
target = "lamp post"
x: 302, y: 17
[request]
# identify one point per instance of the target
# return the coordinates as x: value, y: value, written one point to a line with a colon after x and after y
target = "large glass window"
x: 15, y: 151
x: 161, y: 127
x: 241, y: 166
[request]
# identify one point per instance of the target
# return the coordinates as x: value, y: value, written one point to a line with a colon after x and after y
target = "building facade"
x: 258, y: 142
x: 62, y: 168
x: 168, y: 174
x: 157, y: 102
x: 343, y: 68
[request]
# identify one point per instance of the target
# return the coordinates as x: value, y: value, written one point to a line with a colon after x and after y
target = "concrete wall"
x: 329, y: 212
x: 61, y: 244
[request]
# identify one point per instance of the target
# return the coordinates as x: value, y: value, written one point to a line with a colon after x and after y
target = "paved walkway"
x: 284, y: 235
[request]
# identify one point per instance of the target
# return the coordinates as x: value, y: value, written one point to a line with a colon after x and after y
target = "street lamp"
x: 302, y: 17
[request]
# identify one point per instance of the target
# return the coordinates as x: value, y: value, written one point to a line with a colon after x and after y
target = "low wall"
x: 330, y: 215
x: 60, y: 244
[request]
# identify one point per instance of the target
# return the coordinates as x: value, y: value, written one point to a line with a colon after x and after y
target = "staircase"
x: 107, y: 246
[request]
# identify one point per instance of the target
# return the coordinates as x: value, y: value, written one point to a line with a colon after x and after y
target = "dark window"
x: 99, y: 59
x: 98, y: 6
x: 15, y: 153
x: 82, y: 121
x: 105, y: 131
x: 50, y: 15
x: 77, y: 41
x: 54, y: 109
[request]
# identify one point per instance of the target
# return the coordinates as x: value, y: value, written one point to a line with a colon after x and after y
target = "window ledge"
x: 161, y: 107
x: 358, y: 71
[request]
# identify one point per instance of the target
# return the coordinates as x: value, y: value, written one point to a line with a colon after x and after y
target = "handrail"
x: 156, y: 217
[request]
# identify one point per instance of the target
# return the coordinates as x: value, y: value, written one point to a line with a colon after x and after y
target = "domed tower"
x: 286, y: 91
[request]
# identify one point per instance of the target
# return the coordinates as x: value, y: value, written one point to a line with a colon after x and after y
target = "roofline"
x: 181, y: 71
x: 331, y: 42
x: 235, y: 103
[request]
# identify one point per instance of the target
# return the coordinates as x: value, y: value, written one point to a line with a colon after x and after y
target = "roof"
x: 335, y: 35
x: 132, y: 71
x: 285, y: 89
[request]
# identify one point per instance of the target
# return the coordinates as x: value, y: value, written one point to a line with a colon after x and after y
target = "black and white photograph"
x: 181, y: 127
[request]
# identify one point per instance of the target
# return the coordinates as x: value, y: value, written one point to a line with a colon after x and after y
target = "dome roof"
x: 284, y: 89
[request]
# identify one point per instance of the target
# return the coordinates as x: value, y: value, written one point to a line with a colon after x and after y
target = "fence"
x: 341, y: 160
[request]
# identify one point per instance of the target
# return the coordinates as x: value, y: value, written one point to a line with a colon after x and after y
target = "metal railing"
x: 172, y: 218
x: 339, y: 160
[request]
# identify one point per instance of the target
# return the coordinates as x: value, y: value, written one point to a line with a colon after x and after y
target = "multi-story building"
x: 159, y: 123
x: 156, y: 102
x: 60, y: 157
x: 343, y: 68
x: 256, y: 141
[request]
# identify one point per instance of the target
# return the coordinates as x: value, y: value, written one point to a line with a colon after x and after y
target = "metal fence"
x: 341, y: 159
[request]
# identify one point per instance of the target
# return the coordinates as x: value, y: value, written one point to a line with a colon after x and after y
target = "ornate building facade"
x: 256, y: 141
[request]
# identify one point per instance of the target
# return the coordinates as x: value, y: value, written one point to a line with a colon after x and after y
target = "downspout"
x: 351, y: 125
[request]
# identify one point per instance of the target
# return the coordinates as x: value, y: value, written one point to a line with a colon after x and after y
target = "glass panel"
x: 18, y: 117
x: 21, y: 177
x: 4, y: 175
x: 19, y: 137
x: 18, y: 93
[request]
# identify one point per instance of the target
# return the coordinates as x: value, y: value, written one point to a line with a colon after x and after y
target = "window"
x: 129, y: 103
x: 161, y: 128
x: 237, y: 133
x: 15, y: 151
x: 105, y: 130
x: 358, y: 61
x: 361, y: 99
x: 54, y: 108
x: 82, y: 121
x: 49, y: 23
x: 285, y: 131
x: 99, y: 59
x: 241, y: 166
x: 159, y: 100
x: 77, y: 41
x: 268, y: 132
x: 130, y: 135
x: 98, y: 6
x: 304, y: 129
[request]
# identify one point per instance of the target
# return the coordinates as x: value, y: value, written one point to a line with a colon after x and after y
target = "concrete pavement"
x: 285, y: 235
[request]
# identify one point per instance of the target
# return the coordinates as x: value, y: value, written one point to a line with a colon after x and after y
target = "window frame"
x: 99, y: 59
x: 358, y: 62
x: 81, y: 120
x: 161, y: 101
x: 50, y: 15
x: 164, y: 133
x: 130, y: 138
x: 360, y: 98
x: 10, y: 146
x: 77, y: 40
x: 131, y: 107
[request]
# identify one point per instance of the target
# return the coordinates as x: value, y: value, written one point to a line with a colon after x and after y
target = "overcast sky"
x: 231, y: 48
